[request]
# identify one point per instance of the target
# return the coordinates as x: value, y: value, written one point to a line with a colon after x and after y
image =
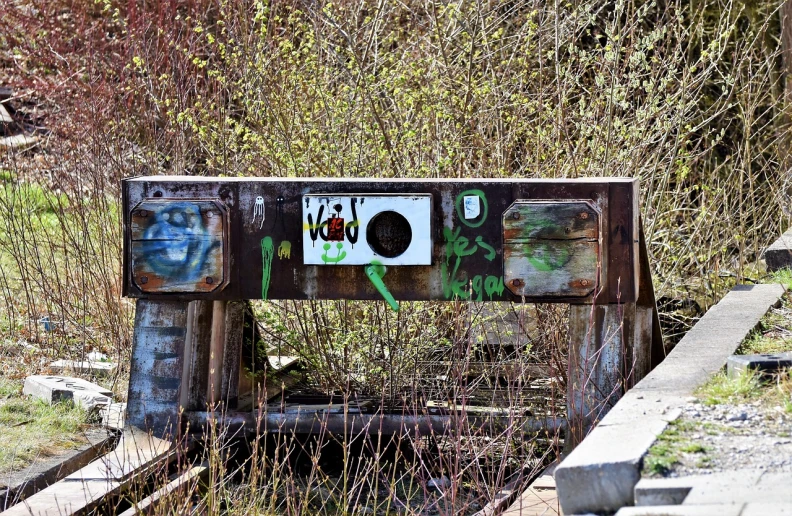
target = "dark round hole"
x: 389, y: 234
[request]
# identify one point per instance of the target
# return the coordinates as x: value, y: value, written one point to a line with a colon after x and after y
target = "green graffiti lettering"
x: 475, y: 287
x: 450, y: 238
x: 453, y: 286
x: 493, y: 285
x: 491, y: 254
x: 267, y: 252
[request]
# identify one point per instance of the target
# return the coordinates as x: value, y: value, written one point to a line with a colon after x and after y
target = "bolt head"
x: 210, y: 214
x: 584, y: 215
x: 517, y: 282
x: 516, y: 215
x: 584, y: 282
x: 209, y: 280
x: 143, y: 280
x: 143, y: 213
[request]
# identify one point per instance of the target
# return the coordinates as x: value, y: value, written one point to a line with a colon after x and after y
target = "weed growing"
x: 33, y: 428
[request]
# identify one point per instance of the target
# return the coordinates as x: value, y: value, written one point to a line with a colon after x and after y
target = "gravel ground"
x: 740, y: 436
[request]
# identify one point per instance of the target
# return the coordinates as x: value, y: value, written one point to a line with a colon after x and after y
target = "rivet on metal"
x: 517, y: 282
x: 210, y: 214
x: 143, y: 213
x: 143, y: 280
x: 157, y: 194
x: 516, y: 215
x: 584, y: 215
x: 209, y: 279
x: 584, y: 282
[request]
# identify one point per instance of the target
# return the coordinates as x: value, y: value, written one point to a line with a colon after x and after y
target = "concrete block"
x: 683, y: 510
x: 743, y: 486
x: 113, y: 415
x: 53, y: 389
x: 87, y: 367
x: 765, y: 364
x: 674, y: 491
x: 765, y: 509
x: 779, y: 254
x: 601, y: 473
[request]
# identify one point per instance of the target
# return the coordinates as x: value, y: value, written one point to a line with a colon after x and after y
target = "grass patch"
x: 783, y: 276
x: 722, y: 389
x: 29, y: 429
x: 667, y: 451
x: 9, y: 388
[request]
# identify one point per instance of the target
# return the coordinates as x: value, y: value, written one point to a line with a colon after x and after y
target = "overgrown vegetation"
x: 689, y: 97
x: 30, y: 429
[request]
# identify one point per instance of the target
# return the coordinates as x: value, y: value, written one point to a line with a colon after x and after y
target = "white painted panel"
x: 335, y: 242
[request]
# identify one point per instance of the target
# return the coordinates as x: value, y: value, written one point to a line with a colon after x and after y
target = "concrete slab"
x: 86, y: 367
x: 766, y: 509
x: 683, y: 510
x: 113, y: 416
x: 601, y: 473
x: 53, y: 389
x: 674, y: 491
x: 779, y: 254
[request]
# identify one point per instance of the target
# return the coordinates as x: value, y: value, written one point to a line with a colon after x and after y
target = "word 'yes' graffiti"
x: 456, y: 282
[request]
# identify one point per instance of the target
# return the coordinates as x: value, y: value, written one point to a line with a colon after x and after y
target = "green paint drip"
x: 267, y: 253
x: 375, y: 272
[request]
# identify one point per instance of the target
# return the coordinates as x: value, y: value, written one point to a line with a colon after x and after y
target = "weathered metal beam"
x: 271, y: 222
x: 312, y: 422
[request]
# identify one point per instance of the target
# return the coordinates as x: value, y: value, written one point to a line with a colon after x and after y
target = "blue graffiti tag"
x: 178, y: 244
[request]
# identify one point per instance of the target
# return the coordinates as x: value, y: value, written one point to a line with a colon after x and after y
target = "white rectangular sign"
x: 360, y: 229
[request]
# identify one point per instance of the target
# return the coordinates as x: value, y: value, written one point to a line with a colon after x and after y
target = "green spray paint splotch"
x: 267, y: 253
x: 375, y: 272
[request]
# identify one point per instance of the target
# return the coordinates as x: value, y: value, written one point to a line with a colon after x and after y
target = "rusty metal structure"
x: 216, y: 242
x: 196, y: 249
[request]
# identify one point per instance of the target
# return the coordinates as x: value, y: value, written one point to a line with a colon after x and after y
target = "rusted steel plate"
x: 551, y: 248
x: 178, y: 245
x: 551, y: 268
x: 555, y: 220
x: 265, y: 257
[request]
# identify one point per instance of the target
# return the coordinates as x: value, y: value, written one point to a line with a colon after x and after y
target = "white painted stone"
x: 89, y: 367
x: 53, y: 389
